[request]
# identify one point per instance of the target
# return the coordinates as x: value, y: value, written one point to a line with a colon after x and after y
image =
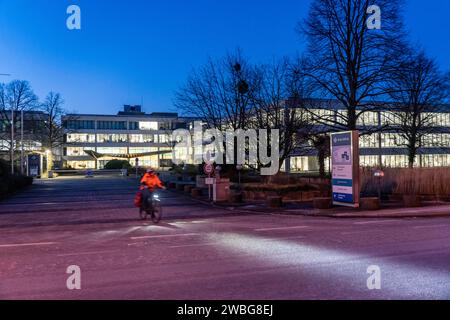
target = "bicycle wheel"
x: 156, y: 212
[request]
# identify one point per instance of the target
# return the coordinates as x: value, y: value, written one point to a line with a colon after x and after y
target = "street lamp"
x: 12, y: 131
x: 239, y: 168
x: 379, y: 174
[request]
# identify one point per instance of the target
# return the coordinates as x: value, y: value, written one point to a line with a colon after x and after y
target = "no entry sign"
x: 208, y: 169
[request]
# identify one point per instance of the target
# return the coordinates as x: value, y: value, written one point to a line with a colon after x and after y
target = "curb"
x: 368, y: 215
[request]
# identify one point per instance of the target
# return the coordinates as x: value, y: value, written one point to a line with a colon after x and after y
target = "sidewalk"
x: 422, y: 212
x: 429, y: 210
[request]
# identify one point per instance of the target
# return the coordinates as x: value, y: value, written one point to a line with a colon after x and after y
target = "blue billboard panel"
x: 342, y: 161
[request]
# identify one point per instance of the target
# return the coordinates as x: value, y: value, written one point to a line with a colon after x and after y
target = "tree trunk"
x: 321, y: 158
x: 411, y: 157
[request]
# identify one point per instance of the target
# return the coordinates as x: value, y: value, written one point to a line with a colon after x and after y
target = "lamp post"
x: 12, y: 130
x: 21, y: 143
x: 239, y: 168
x: 12, y: 140
x: 379, y: 174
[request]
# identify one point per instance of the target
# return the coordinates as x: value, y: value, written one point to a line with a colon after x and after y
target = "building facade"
x: 130, y: 132
x: 147, y: 137
x: 382, y: 145
x: 29, y: 138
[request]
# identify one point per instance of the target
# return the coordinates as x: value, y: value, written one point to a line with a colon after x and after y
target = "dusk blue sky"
x: 145, y: 48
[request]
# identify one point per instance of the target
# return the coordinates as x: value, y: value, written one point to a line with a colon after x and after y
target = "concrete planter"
x: 200, y: 182
x: 236, y: 198
x: 274, y: 202
x: 370, y: 203
x: 411, y: 201
x: 188, y: 188
x: 322, y: 203
x: 196, y: 192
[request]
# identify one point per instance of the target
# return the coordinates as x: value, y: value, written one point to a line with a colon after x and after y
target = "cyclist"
x: 149, y: 182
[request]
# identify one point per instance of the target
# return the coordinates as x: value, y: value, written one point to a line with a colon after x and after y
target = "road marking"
x: 84, y: 253
x: 281, y: 228
x: 218, y: 243
x: 374, y: 222
x: 432, y: 226
x: 27, y: 244
x: 165, y: 236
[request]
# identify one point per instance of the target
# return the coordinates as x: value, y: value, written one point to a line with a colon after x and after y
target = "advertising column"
x: 345, y: 168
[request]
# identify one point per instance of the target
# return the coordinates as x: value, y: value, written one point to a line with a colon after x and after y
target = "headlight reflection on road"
x: 400, y: 279
x: 115, y: 233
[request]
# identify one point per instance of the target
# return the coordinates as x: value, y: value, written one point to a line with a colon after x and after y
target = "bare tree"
x: 52, y: 132
x: 277, y: 101
x: 15, y: 96
x: 218, y: 92
x: 419, y: 90
x: 347, y: 61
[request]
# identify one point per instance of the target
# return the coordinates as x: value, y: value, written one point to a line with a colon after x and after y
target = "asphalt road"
x: 199, y: 252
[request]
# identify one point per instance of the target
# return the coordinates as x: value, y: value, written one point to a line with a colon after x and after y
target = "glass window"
x: 133, y: 126
x: 368, y: 118
x: 396, y: 161
x: 78, y: 151
x: 112, y: 138
x: 112, y: 125
x: 80, y: 165
x: 368, y: 161
x: 80, y: 124
x: 80, y: 138
x: 112, y: 150
x: 392, y: 140
x: 142, y: 138
x: 142, y: 150
x: 369, y: 141
x: 148, y: 125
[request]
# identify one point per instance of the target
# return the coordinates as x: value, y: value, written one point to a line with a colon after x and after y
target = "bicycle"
x: 153, y: 209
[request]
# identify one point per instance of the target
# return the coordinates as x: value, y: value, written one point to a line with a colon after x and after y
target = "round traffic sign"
x: 208, y: 168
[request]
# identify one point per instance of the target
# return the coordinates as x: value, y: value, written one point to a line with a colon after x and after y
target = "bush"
x: 280, y: 189
x: 117, y: 164
x: 423, y: 181
x: 10, y: 184
x: 188, y: 169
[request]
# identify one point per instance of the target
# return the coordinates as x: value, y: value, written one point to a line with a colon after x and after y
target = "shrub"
x: 10, y: 184
x: 279, y: 189
x: 117, y: 164
x: 189, y: 169
x: 424, y: 181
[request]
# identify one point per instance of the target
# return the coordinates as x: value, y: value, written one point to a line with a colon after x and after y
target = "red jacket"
x: 152, y: 181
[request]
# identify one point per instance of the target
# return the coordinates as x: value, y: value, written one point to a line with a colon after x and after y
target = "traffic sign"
x: 208, y: 169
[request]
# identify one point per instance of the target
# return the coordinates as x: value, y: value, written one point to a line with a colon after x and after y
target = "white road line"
x: 218, y: 243
x: 432, y: 226
x: 84, y: 253
x: 281, y: 228
x: 165, y: 236
x: 374, y: 222
x: 27, y: 244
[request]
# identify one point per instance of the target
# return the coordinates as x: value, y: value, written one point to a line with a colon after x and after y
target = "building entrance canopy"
x: 97, y: 155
